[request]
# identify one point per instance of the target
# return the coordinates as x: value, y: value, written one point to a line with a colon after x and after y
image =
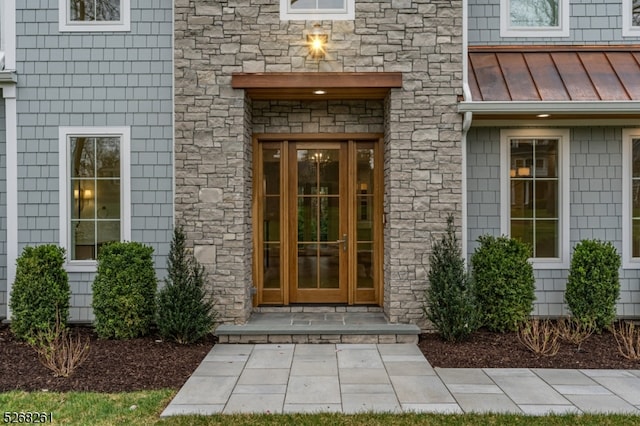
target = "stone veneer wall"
x: 214, y: 123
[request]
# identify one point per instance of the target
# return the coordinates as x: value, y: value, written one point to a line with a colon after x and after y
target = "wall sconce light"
x: 317, y: 41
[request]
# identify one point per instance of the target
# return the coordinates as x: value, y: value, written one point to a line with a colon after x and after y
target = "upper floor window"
x: 94, y: 191
x: 94, y: 15
x: 534, y: 18
x: 307, y: 10
x: 535, y: 192
x: 631, y: 18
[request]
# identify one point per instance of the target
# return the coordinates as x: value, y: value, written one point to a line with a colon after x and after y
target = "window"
x: 94, y: 15
x: 317, y: 9
x: 94, y: 191
x: 631, y: 18
x: 630, y: 198
x: 534, y: 18
x: 535, y: 192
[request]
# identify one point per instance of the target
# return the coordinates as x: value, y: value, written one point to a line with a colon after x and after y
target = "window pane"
x: 82, y: 157
x: 635, y: 241
x: 534, y: 13
x: 108, y: 199
x: 94, y: 10
x: 108, y: 231
x: 522, y: 230
x: 107, y: 157
x: 546, y: 155
x: 635, y: 20
x: 635, y: 198
x: 83, y: 199
x: 83, y: 240
x: 522, y: 198
x: 546, y: 238
x: 521, y: 158
x: 330, y: 4
x: 303, y: 4
x: 636, y: 158
x: 546, y: 198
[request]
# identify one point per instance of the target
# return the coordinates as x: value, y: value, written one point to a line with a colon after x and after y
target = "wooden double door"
x: 318, y: 220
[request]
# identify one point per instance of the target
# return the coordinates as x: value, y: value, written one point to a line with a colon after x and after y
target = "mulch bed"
x: 503, y: 350
x: 150, y: 363
x: 112, y: 366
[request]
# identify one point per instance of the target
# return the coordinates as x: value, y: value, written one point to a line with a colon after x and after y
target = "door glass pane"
x: 307, y: 265
x: 329, y: 265
x: 329, y: 218
x: 271, y: 170
x: 307, y: 219
x: 364, y: 206
x: 271, y: 263
x: 364, y: 171
x: 365, y: 265
x: 307, y: 172
x: 328, y: 165
x: 271, y: 215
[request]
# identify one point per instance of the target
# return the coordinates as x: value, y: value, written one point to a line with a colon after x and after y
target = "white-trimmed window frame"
x: 348, y: 14
x: 64, y: 146
x: 66, y: 25
x: 628, y: 261
x: 563, y: 136
x: 506, y: 30
x: 628, y: 29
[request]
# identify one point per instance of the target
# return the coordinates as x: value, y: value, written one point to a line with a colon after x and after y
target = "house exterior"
x: 317, y: 177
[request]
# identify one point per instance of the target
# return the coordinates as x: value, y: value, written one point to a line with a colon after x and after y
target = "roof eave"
x: 540, y: 107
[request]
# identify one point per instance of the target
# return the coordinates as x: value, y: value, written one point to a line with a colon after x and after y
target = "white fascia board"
x: 539, y: 107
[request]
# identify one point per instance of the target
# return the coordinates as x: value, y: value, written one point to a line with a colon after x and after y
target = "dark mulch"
x: 150, y: 363
x: 112, y: 366
x: 503, y: 350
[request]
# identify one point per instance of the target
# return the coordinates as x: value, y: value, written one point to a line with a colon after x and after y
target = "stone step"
x: 318, y: 327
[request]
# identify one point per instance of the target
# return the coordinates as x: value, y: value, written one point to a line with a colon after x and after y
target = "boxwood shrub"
x: 504, y: 282
x: 593, y: 286
x: 124, y: 291
x: 40, y: 291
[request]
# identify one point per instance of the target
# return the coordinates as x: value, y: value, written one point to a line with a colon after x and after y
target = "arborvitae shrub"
x: 40, y: 293
x: 185, y: 315
x: 450, y: 298
x: 504, y: 282
x: 124, y: 291
x: 593, y: 286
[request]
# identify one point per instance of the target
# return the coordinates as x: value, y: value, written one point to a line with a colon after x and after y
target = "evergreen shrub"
x: 450, y: 298
x: 185, y: 315
x: 593, y: 286
x: 504, y: 282
x: 40, y: 293
x: 124, y: 291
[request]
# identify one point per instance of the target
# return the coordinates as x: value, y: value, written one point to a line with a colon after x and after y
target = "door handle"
x: 343, y: 241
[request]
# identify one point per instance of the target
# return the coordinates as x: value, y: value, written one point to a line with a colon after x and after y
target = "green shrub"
x: 40, y: 292
x: 450, y: 298
x: 593, y: 286
x: 184, y: 314
x: 124, y: 291
x: 504, y: 282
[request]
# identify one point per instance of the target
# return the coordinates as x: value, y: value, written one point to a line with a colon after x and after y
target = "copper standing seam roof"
x: 547, y: 73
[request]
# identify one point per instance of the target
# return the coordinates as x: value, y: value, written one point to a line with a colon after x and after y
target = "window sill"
x: 81, y: 266
x: 549, y: 264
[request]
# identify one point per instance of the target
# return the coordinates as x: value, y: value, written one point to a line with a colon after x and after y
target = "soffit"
x: 554, y: 74
x: 301, y: 86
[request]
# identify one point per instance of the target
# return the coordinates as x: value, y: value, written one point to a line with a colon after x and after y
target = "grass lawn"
x: 144, y: 408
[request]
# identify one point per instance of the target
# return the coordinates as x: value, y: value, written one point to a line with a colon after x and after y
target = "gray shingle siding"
x: 595, y: 205
x: 590, y: 22
x: 95, y: 79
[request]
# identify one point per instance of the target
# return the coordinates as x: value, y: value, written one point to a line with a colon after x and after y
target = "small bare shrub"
x: 574, y: 331
x: 59, y: 350
x: 628, y: 339
x: 539, y: 336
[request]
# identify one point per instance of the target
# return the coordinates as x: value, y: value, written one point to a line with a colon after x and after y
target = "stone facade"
x: 214, y: 124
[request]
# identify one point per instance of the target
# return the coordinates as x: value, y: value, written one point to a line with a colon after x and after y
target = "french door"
x: 318, y: 227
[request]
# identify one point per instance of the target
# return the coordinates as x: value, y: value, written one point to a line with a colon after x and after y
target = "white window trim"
x: 628, y: 30
x: 124, y: 133
x: 317, y: 14
x: 562, y: 135
x: 628, y: 261
x: 66, y: 25
x: 506, y: 30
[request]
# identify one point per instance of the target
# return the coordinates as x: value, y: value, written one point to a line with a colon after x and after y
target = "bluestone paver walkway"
x: 350, y: 378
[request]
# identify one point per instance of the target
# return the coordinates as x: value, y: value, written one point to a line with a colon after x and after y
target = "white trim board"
x: 628, y: 261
